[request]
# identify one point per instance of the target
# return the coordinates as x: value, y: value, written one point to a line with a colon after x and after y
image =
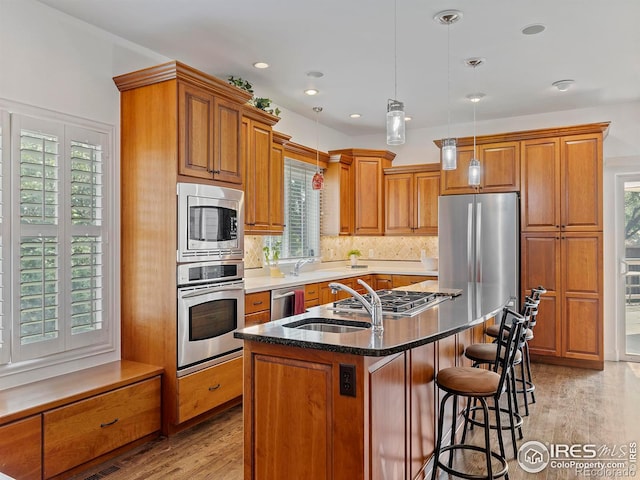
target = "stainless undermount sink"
x: 329, y: 325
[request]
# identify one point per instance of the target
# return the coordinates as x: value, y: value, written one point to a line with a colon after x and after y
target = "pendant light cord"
x: 448, y: 80
x: 317, y: 143
x: 395, y: 50
x: 474, y: 130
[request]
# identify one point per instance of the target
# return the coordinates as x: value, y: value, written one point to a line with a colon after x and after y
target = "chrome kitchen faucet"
x: 374, y: 308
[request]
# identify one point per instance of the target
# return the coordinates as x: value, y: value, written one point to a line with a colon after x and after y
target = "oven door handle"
x: 198, y: 293
x: 288, y: 294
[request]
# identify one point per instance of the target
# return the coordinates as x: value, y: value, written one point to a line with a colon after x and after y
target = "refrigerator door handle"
x: 470, y: 242
x: 478, y: 242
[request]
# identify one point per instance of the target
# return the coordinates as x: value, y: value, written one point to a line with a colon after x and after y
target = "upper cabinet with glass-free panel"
x: 499, y: 168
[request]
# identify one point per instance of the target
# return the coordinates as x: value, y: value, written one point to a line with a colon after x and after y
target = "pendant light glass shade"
x: 474, y: 172
x: 449, y: 154
x: 395, y: 123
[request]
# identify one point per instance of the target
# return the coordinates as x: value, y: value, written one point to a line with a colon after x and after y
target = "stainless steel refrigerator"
x: 479, y: 242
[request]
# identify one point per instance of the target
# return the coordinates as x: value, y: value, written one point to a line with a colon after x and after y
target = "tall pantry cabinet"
x: 177, y: 125
x: 562, y: 242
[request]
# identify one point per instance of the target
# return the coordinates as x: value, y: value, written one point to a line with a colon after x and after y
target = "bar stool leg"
x: 453, y: 427
x: 487, y: 443
x: 529, y: 377
x: 436, y: 452
x: 524, y: 387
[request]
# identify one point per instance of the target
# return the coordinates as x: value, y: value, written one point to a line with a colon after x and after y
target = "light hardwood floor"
x: 574, y: 406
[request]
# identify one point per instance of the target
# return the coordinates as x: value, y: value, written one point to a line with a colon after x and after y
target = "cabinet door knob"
x: 102, y: 425
x: 215, y: 387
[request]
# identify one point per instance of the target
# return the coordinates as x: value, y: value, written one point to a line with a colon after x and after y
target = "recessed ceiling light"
x: 533, y: 29
x: 563, y: 85
x: 261, y: 65
x: 475, y: 97
x: 474, y: 61
x: 315, y: 74
x: 447, y: 17
x: 407, y: 118
x: 355, y: 115
x: 311, y: 91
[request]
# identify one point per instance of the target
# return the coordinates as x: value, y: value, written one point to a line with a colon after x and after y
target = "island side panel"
x: 387, y: 414
x: 297, y: 425
x: 421, y: 366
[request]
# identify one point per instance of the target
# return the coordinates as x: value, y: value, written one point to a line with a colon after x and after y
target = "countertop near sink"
x: 476, y: 304
x: 261, y: 283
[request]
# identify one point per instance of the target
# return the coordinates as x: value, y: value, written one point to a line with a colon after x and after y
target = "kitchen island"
x: 353, y: 405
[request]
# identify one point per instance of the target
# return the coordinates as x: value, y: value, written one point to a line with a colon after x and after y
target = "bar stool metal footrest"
x: 450, y: 470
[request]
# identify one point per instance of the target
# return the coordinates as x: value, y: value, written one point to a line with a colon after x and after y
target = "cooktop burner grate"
x: 399, y: 302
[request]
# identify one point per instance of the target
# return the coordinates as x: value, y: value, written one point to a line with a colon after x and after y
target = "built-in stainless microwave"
x: 210, y: 223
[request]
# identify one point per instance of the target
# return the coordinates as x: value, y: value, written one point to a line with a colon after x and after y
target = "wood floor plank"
x: 573, y: 406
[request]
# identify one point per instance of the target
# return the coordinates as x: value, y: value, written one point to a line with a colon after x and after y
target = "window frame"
x: 286, y: 256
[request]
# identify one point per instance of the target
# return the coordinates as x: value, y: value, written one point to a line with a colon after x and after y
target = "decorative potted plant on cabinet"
x: 271, y: 256
x: 354, y: 254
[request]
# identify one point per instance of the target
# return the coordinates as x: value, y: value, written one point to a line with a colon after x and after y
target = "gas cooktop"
x: 394, y: 302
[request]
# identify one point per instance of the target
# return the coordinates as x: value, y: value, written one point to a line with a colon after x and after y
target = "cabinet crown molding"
x: 176, y: 70
x: 601, y: 127
x: 361, y: 152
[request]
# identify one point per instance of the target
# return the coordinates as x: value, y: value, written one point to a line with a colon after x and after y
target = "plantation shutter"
x: 59, y: 303
x: 5, y: 317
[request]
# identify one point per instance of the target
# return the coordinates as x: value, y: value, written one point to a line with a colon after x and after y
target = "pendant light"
x: 449, y: 151
x: 317, y: 182
x: 395, y: 108
x: 474, y: 164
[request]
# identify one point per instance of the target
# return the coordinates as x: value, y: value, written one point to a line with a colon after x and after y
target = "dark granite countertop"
x: 476, y: 304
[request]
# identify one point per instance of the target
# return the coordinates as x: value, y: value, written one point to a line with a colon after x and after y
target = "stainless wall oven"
x: 210, y: 223
x: 210, y: 308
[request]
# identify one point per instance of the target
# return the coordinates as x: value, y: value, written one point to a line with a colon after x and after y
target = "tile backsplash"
x: 334, y: 248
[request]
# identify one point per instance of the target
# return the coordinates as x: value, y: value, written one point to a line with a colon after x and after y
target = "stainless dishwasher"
x: 282, y: 302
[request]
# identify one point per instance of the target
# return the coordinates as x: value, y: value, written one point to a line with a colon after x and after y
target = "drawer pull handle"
x: 215, y: 387
x: 257, y: 303
x: 102, y: 425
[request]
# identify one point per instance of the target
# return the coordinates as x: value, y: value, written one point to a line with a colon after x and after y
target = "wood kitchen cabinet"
x: 338, y: 196
x: 175, y: 122
x: 561, y: 244
x: 367, y: 176
x: 81, y: 431
x: 257, y: 308
x: 406, y: 280
x: 562, y: 183
x: 383, y: 281
x: 499, y: 163
x: 569, y: 266
x: 264, y: 176
x: 208, y: 135
x: 209, y: 388
x: 21, y: 448
x: 311, y: 295
x: 411, y: 200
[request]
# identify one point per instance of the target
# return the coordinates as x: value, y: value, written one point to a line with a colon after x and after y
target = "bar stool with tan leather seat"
x: 485, y: 354
x: 481, y: 384
x: 525, y: 380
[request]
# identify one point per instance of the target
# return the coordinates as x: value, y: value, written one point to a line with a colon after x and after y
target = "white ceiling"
x: 594, y: 42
